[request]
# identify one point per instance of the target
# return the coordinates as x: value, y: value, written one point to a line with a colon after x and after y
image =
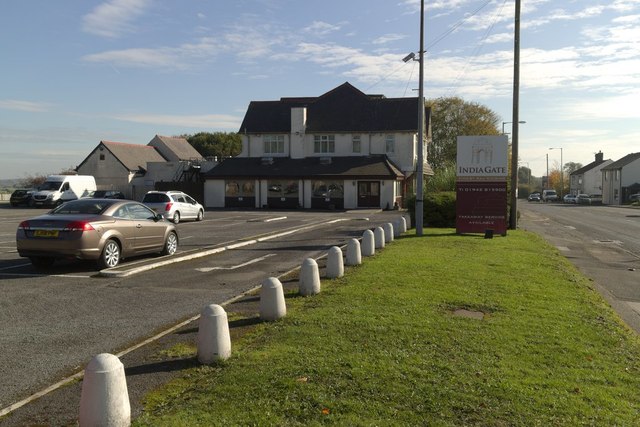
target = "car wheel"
x: 110, y: 256
x: 176, y: 217
x: 171, y: 244
x: 41, y: 261
x: 200, y: 215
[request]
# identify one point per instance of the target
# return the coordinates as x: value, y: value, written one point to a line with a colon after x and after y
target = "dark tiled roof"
x: 354, y: 167
x: 343, y: 109
x: 619, y: 164
x: 588, y: 167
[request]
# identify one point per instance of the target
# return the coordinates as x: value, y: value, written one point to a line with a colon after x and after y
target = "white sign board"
x: 483, y: 156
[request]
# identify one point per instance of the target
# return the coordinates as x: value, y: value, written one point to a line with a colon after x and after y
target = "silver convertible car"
x: 105, y: 230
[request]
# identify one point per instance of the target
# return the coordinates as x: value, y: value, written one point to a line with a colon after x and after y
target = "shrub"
x: 439, y: 209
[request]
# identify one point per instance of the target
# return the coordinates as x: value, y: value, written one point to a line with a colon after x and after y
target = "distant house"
x: 588, y: 179
x: 341, y: 150
x: 134, y: 169
x: 621, y: 179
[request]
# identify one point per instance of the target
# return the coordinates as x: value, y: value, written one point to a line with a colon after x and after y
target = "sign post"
x: 481, y: 187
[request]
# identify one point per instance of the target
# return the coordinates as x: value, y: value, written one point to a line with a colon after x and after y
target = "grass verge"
x: 382, y: 346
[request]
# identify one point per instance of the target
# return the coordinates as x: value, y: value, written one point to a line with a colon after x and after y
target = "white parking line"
x: 253, y: 261
x: 14, y: 266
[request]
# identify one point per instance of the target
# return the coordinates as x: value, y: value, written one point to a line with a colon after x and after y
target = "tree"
x: 571, y: 167
x: 218, y: 144
x: 452, y: 117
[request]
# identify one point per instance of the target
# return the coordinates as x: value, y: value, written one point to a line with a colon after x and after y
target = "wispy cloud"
x: 389, y: 38
x: 206, y: 121
x: 320, y: 28
x: 114, y: 18
x: 17, y: 105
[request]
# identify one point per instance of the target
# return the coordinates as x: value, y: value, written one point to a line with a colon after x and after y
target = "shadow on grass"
x: 163, y: 366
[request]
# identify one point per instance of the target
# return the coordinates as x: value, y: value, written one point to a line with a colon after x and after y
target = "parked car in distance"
x: 175, y: 206
x: 105, y: 230
x: 549, y: 196
x: 21, y: 197
x: 570, y: 198
x: 106, y: 194
x: 634, y: 198
x: 589, y: 199
x: 534, y: 197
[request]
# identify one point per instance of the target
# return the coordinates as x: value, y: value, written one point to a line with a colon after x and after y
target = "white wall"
x: 214, y: 191
x: 350, y: 195
x: 631, y: 173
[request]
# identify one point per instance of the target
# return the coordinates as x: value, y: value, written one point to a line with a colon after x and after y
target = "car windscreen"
x: 155, y: 198
x: 83, y: 207
x: 50, y: 185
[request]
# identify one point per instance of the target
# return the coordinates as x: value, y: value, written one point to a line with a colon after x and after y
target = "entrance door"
x: 368, y: 194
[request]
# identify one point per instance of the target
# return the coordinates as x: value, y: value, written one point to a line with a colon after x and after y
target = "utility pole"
x: 420, y: 166
x: 513, y: 217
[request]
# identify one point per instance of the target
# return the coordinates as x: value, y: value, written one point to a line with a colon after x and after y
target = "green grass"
x: 382, y: 347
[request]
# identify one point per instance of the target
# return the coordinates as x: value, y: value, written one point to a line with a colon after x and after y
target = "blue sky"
x: 78, y: 72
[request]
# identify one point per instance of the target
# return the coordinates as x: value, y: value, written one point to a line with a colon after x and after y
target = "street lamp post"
x: 506, y: 123
x: 561, y: 170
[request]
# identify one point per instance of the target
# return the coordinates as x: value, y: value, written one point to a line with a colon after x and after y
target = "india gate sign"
x: 481, y: 187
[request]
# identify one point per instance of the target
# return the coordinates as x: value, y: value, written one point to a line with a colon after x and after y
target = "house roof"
x: 619, y: 164
x: 353, y: 167
x: 180, y: 147
x: 343, y: 109
x: 588, y: 167
x: 134, y: 157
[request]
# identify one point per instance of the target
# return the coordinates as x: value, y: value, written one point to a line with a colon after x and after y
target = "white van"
x: 57, y: 189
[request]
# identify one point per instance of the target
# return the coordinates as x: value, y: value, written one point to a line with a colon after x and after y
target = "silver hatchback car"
x: 174, y: 205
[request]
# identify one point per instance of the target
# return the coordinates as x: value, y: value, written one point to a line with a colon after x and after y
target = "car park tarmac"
x: 54, y: 322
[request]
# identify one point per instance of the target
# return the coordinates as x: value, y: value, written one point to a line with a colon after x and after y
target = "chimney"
x: 599, y: 157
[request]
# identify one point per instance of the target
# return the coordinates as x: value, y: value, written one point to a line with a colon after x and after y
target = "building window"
x: 273, y: 144
x: 239, y: 188
x: 390, y: 144
x: 617, y: 178
x: 282, y: 189
x: 324, y: 144
x: 328, y: 189
x: 356, y: 144
x: 101, y: 156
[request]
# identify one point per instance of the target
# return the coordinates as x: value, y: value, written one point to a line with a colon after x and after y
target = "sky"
x: 74, y: 73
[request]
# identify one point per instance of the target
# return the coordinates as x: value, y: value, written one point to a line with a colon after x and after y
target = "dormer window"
x: 324, y: 144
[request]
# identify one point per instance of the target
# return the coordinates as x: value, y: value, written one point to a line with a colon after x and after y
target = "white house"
x: 621, y: 179
x: 588, y: 179
x: 341, y: 150
x: 134, y: 169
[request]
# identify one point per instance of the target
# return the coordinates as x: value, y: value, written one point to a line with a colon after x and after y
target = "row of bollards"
x: 105, y: 400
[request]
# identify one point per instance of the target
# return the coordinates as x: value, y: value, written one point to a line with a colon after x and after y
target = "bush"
x: 439, y: 209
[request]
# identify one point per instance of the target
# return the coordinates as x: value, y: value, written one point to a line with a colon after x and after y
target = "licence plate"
x: 45, y: 233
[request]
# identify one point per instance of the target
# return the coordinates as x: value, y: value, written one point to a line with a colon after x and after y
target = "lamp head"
x: 409, y: 57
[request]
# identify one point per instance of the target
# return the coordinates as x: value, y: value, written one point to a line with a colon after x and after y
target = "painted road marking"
x: 253, y: 261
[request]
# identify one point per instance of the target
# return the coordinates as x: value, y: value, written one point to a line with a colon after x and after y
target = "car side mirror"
x: 157, y: 217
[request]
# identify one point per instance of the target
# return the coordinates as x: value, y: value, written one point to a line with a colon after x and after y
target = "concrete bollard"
x: 408, y: 222
x: 309, y: 278
x: 388, y: 232
x: 214, y: 341
x: 354, y: 256
x: 403, y: 224
x: 335, y: 264
x: 378, y: 235
x: 368, y: 243
x: 104, y: 400
x: 397, y: 227
x: 272, y: 304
